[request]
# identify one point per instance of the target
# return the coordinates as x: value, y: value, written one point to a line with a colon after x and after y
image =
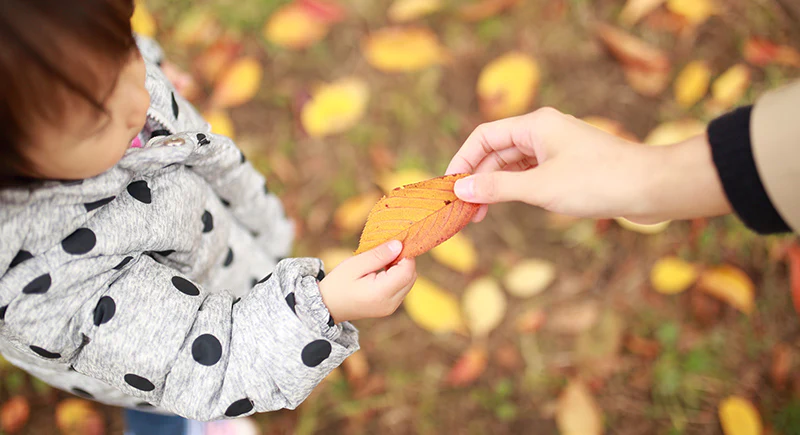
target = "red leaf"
x: 468, y: 368
x: 14, y: 414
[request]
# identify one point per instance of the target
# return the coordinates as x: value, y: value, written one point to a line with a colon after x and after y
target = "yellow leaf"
x: 292, y: 26
x: 671, y: 275
x: 484, y: 306
x: 433, y: 309
x: 695, y: 11
x: 408, y: 10
x: 142, y: 21
x: 457, y: 253
x: 530, y: 277
x: 731, y: 86
x: 650, y: 83
x: 577, y: 412
x: 198, y: 26
x: 642, y: 228
x: 333, y: 257
x: 220, y: 123
x: 352, y: 214
x: 635, y: 10
x: 403, y: 49
x: 673, y: 132
x: 508, y: 85
x: 692, y: 82
x: 731, y: 285
x: 390, y: 180
x: 738, y: 416
x: 335, y: 107
x: 238, y: 84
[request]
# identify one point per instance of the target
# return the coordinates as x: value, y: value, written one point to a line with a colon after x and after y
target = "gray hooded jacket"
x: 155, y: 284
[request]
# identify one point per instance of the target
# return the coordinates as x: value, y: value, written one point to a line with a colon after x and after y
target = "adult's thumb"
x: 493, y: 187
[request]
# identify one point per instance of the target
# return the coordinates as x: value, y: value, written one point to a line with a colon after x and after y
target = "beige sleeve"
x: 775, y: 138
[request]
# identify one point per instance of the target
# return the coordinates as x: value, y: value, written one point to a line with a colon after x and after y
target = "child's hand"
x: 565, y: 165
x: 358, y: 289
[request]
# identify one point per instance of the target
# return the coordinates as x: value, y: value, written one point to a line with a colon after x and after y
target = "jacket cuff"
x: 729, y: 137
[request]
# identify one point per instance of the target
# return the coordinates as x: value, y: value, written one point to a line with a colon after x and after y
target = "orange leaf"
x: 421, y: 215
x: 78, y: 417
x: 649, y: 83
x: 214, y: 60
x: 14, y: 414
x: 729, y: 284
x: 238, y: 84
x: 632, y: 51
x: 762, y: 52
x: 468, y: 368
x: 793, y: 255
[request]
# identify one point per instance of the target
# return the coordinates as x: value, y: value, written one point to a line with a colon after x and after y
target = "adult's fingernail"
x: 395, y: 246
x: 465, y: 188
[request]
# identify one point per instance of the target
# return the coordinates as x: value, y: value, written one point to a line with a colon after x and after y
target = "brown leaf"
x: 634, y: 10
x: 705, y: 309
x: 356, y: 368
x: 632, y: 51
x: 78, y: 417
x: 214, y: 60
x: 468, y: 368
x: 14, y: 414
x: 421, y: 215
x: 781, y: 364
x: 642, y: 346
x: 508, y: 357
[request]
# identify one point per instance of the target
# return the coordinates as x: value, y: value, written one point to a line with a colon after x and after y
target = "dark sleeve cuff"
x: 729, y: 136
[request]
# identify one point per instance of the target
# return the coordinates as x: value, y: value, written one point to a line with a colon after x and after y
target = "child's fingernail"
x: 395, y: 246
x: 464, y: 188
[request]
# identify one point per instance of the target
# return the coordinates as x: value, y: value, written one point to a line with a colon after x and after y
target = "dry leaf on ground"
x: 508, y: 85
x: 671, y: 275
x: 78, y: 417
x: 530, y: 277
x: 216, y: 58
x: 577, y: 411
x: 482, y: 9
x: 351, y: 214
x: 635, y: 10
x: 575, y: 318
x: 729, y: 88
x: 739, y: 417
x: 469, y: 367
x: 730, y: 285
x: 695, y: 12
x: 692, y: 83
x: 403, y: 49
x: 142, y: 21
x: 421, y: 215
x: 484, y: 306
x: 781, y: 365
x: 220, y: 123
x: 762, y: 52
x: 530, y: 321
x: 457, y: 253
x: 433, y: 309
x: 647, y: 68
x: 408, y: 10
x: 238, y: 84
x: 300, y: 24
x: 14, y: 414
x: 335, y: 107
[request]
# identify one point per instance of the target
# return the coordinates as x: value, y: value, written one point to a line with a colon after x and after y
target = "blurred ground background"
x: 642, y: 361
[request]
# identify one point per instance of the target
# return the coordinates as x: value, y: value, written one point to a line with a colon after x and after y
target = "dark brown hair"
x: 50, y: 49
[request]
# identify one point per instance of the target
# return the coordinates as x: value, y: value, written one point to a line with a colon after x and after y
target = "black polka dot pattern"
x: 165, y: 253
x: 225, y: 202
x: 159, y: 133
x: 71, y: 182
x: 208, y: 222
x: 39, y: 285
x: 239, y: 407
x: 144, y: 405
x: 44, y: 353
x: 264, y: 279
x: 320, y: 275
x: 202, y: 139
x: 291, y: 302
x: 83, y: 393
x: 316, y: 352
x: 104, y: 310
x: 266, y: 190
x: 3, y: 310
x: 97, y: 204
x: 242, y: 158
x: 123, y: 263
x: 185, y: 286
x: 174, y: 106
x: 21, y: 256
x: 79, y: 242
x: 228, y: 258
x: 206, y: 350
x: 236, y: 301
x: 139, y: 382
x: 253, y: 282
x: 140, y: 191
x: 331, y: 323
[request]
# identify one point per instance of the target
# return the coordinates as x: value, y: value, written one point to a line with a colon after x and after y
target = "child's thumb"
x: 376, y: 258
x: 493, y: 187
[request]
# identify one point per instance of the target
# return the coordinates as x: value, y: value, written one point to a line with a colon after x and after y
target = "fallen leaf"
x: 530, y: 321
x: 198, y: 26
x: 577, y: 412
x: 730, y: 285
x: 730, y: 87
x: 390, y: 180
x: 238, y: 84
x: 14, y: 414
x: 610, y: 126
x: 671, y: 275
x: 508, y: 357
x: 530, y: 277
x: 762, y: 52
x: 781, y: 365
x: 643, y: 347
x: 695, y: 12
x: 574, y: 318
x: 793, y: 258
x: 469, y: 367
x: 484, y: 306
x: 220, y: 123
x: 739, y: 417
x: 333, y: 257
x: 403, y: 49
x: 409, y: 10
x: 669, y: 133
x: 692, y: 82
x: 482, y: 9
x: 78, y: 417
x: 325, y: 11
x: 351, y: 214
x: 433, y: 309
x: 632, y: 51
x: 508, y: 85
x: 642, y: 228
x: 356, y: 369
x: 705, y: 309
x: 457, y: 253
x: 421, y: 215
x: 635, y: 10
x: 649, y: 83
x: 335, y: 107
x: 293, y: 26
x: 216, y: 58
x: 142, y: 21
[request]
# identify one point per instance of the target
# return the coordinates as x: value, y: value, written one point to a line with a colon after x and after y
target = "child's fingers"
x: 397, y: 277
x: 373, y: 260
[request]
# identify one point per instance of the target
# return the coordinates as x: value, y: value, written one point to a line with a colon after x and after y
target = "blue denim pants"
x: 145, y: 423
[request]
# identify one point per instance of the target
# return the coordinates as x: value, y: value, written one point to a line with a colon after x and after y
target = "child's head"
x: 72, y: 93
